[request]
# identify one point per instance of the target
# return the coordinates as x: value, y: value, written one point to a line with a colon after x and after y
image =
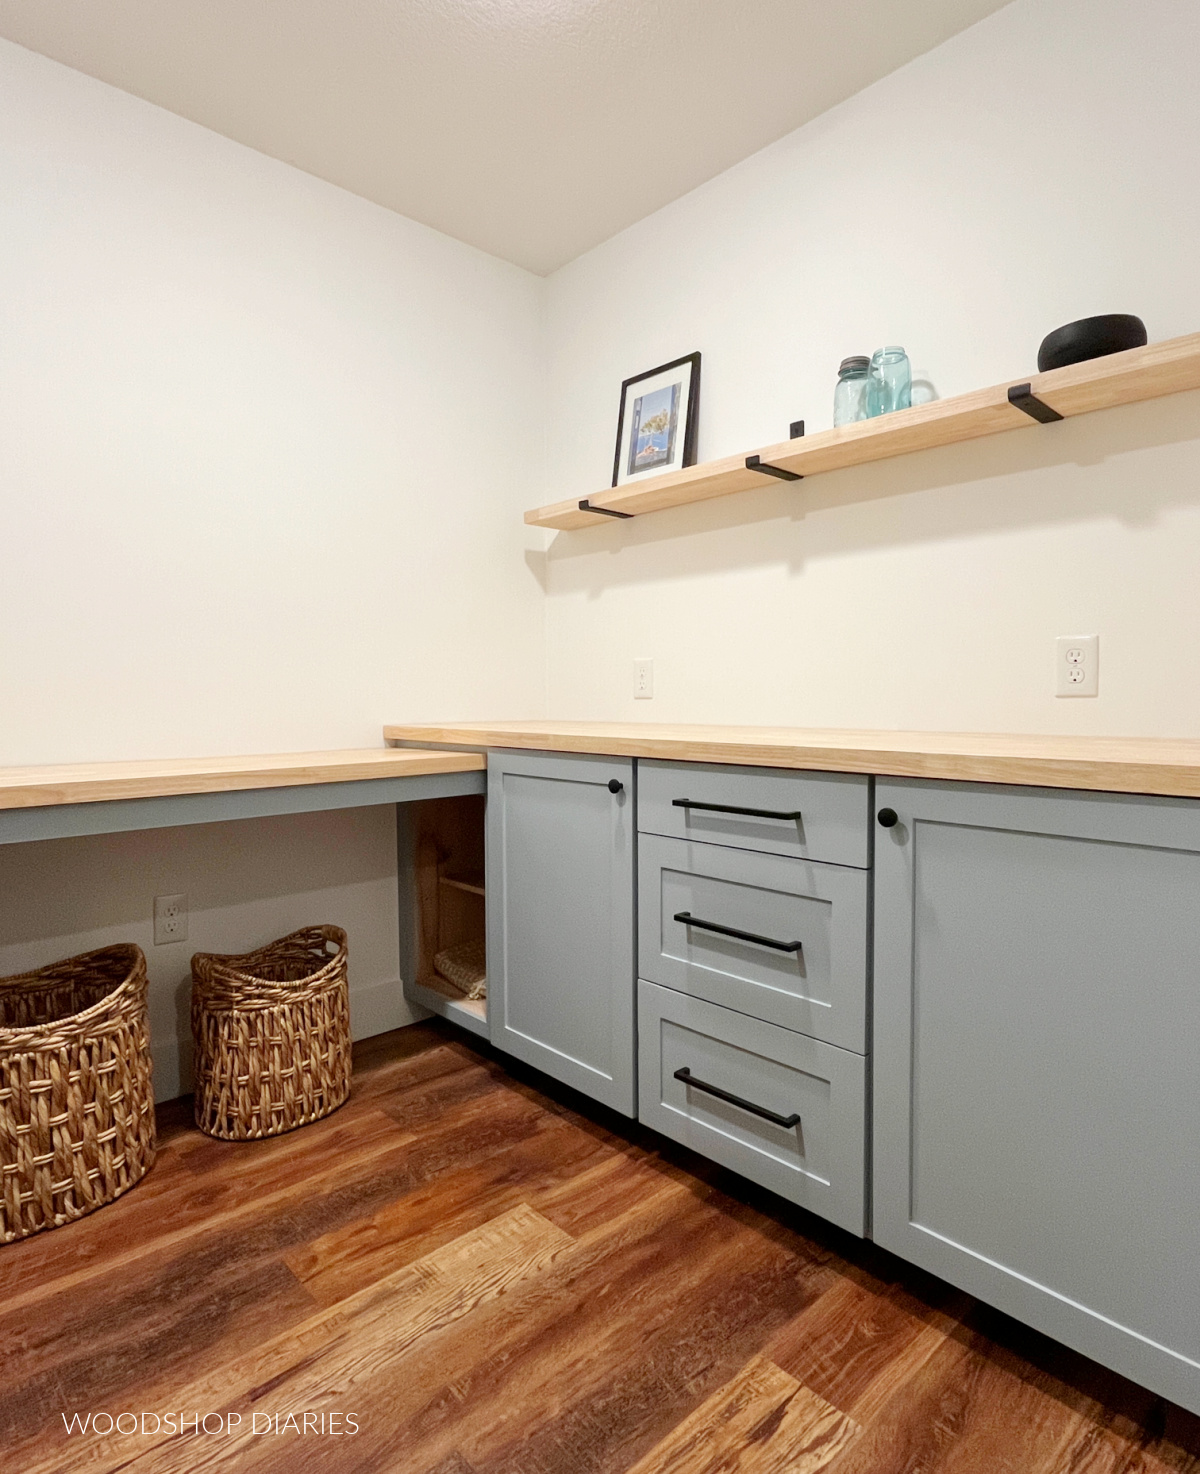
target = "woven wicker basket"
x: 76, y: 1095
x: 272, y: 1035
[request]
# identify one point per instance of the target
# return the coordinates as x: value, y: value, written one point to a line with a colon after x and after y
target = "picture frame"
x: 656, y: 425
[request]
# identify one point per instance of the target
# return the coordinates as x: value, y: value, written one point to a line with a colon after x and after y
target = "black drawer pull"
x: 687, y: 803
x: 731, y: 931
x: 787, y: 1122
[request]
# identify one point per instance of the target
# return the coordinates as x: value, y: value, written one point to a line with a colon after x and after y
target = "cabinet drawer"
x: 812, y: 816
x: 814, y: 1154
x: 819, y: 988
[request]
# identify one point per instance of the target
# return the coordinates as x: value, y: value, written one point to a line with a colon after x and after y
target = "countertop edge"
x: 76, y: 783
x: 1132, y: 772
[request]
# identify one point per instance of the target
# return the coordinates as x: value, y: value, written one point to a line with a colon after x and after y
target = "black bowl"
x: 1091, y: 337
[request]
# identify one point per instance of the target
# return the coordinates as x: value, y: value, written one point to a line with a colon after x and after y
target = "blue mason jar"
x: 890, y: 381
x: 850, y: 396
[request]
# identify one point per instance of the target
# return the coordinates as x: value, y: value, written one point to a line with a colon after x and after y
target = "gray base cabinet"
x: 560, y: 928
x: 1029, y: 1057
x: 1037, y: 1062
x: 782, y: 1109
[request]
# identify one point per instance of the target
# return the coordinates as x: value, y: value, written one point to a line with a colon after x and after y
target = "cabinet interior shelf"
x: 1079, y: 389
x: 473, y: 884
x: 436, y: 994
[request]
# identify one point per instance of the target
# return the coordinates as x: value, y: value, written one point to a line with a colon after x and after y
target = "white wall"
x: 264, y: 448
x: 1039, y: 167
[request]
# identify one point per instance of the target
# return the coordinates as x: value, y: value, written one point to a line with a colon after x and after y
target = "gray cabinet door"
x: 1037, y: 1062
x: 560, y: 868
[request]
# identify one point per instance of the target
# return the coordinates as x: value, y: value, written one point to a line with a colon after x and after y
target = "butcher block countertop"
x: 1104, y: 764
x: 81, y: 783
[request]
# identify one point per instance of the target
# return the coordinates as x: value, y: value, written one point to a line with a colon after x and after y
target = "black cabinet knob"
x: 615, y: 785
x: 888, y: 818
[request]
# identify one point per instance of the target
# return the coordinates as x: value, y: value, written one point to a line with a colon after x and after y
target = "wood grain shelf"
x: 473, y: 885
x: 435, y: 994
x: 1102, y: 383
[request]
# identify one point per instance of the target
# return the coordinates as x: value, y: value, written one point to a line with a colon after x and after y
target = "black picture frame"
x: 690, y: 418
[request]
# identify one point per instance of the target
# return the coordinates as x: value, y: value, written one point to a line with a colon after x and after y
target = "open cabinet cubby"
x: 443, y: 839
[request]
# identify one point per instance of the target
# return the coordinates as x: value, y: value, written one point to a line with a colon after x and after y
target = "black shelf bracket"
x: 586, y: 506
x: 1021, y: 396
x: 756, y: 463
x: 797, y: 428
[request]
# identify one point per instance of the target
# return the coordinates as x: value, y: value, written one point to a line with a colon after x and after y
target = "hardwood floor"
x: 468, y: 1271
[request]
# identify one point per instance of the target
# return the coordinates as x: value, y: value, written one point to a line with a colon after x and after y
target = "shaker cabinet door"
x: 560, y: 865
x: 1037, y: 1061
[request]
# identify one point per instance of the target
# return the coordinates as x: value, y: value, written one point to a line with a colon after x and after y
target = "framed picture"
x: 656, y: 430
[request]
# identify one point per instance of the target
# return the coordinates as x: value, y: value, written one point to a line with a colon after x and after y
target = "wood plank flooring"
x: 468, y: 1270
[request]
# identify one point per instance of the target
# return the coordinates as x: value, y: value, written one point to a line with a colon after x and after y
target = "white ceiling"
x: 532, y: 128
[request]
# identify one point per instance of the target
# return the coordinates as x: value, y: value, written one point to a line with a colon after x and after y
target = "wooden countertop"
x: 84, y: 783
x: 1104, y: 764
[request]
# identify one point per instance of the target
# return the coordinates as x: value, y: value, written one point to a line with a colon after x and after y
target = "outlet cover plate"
x: 170, y: 919
x: 1077, y: 665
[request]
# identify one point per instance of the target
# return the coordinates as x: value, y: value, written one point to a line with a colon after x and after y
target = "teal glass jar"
x: 850, y: 396
x: 890, y: 382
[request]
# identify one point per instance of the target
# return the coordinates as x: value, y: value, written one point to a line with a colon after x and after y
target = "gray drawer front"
x: 834, y: 809
x: 819, y: 1163
x: 820, y: 990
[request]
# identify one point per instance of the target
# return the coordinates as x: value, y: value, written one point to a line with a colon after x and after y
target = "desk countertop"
x: 1104, y: 764
x: 79, y: 783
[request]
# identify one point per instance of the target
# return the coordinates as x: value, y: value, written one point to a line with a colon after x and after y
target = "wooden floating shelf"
x: 1081, y: 388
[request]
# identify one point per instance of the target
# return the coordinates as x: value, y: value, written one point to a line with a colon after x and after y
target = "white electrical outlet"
x: 643, y: 680
x: 170, y: 919
x: 1076, y: 664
